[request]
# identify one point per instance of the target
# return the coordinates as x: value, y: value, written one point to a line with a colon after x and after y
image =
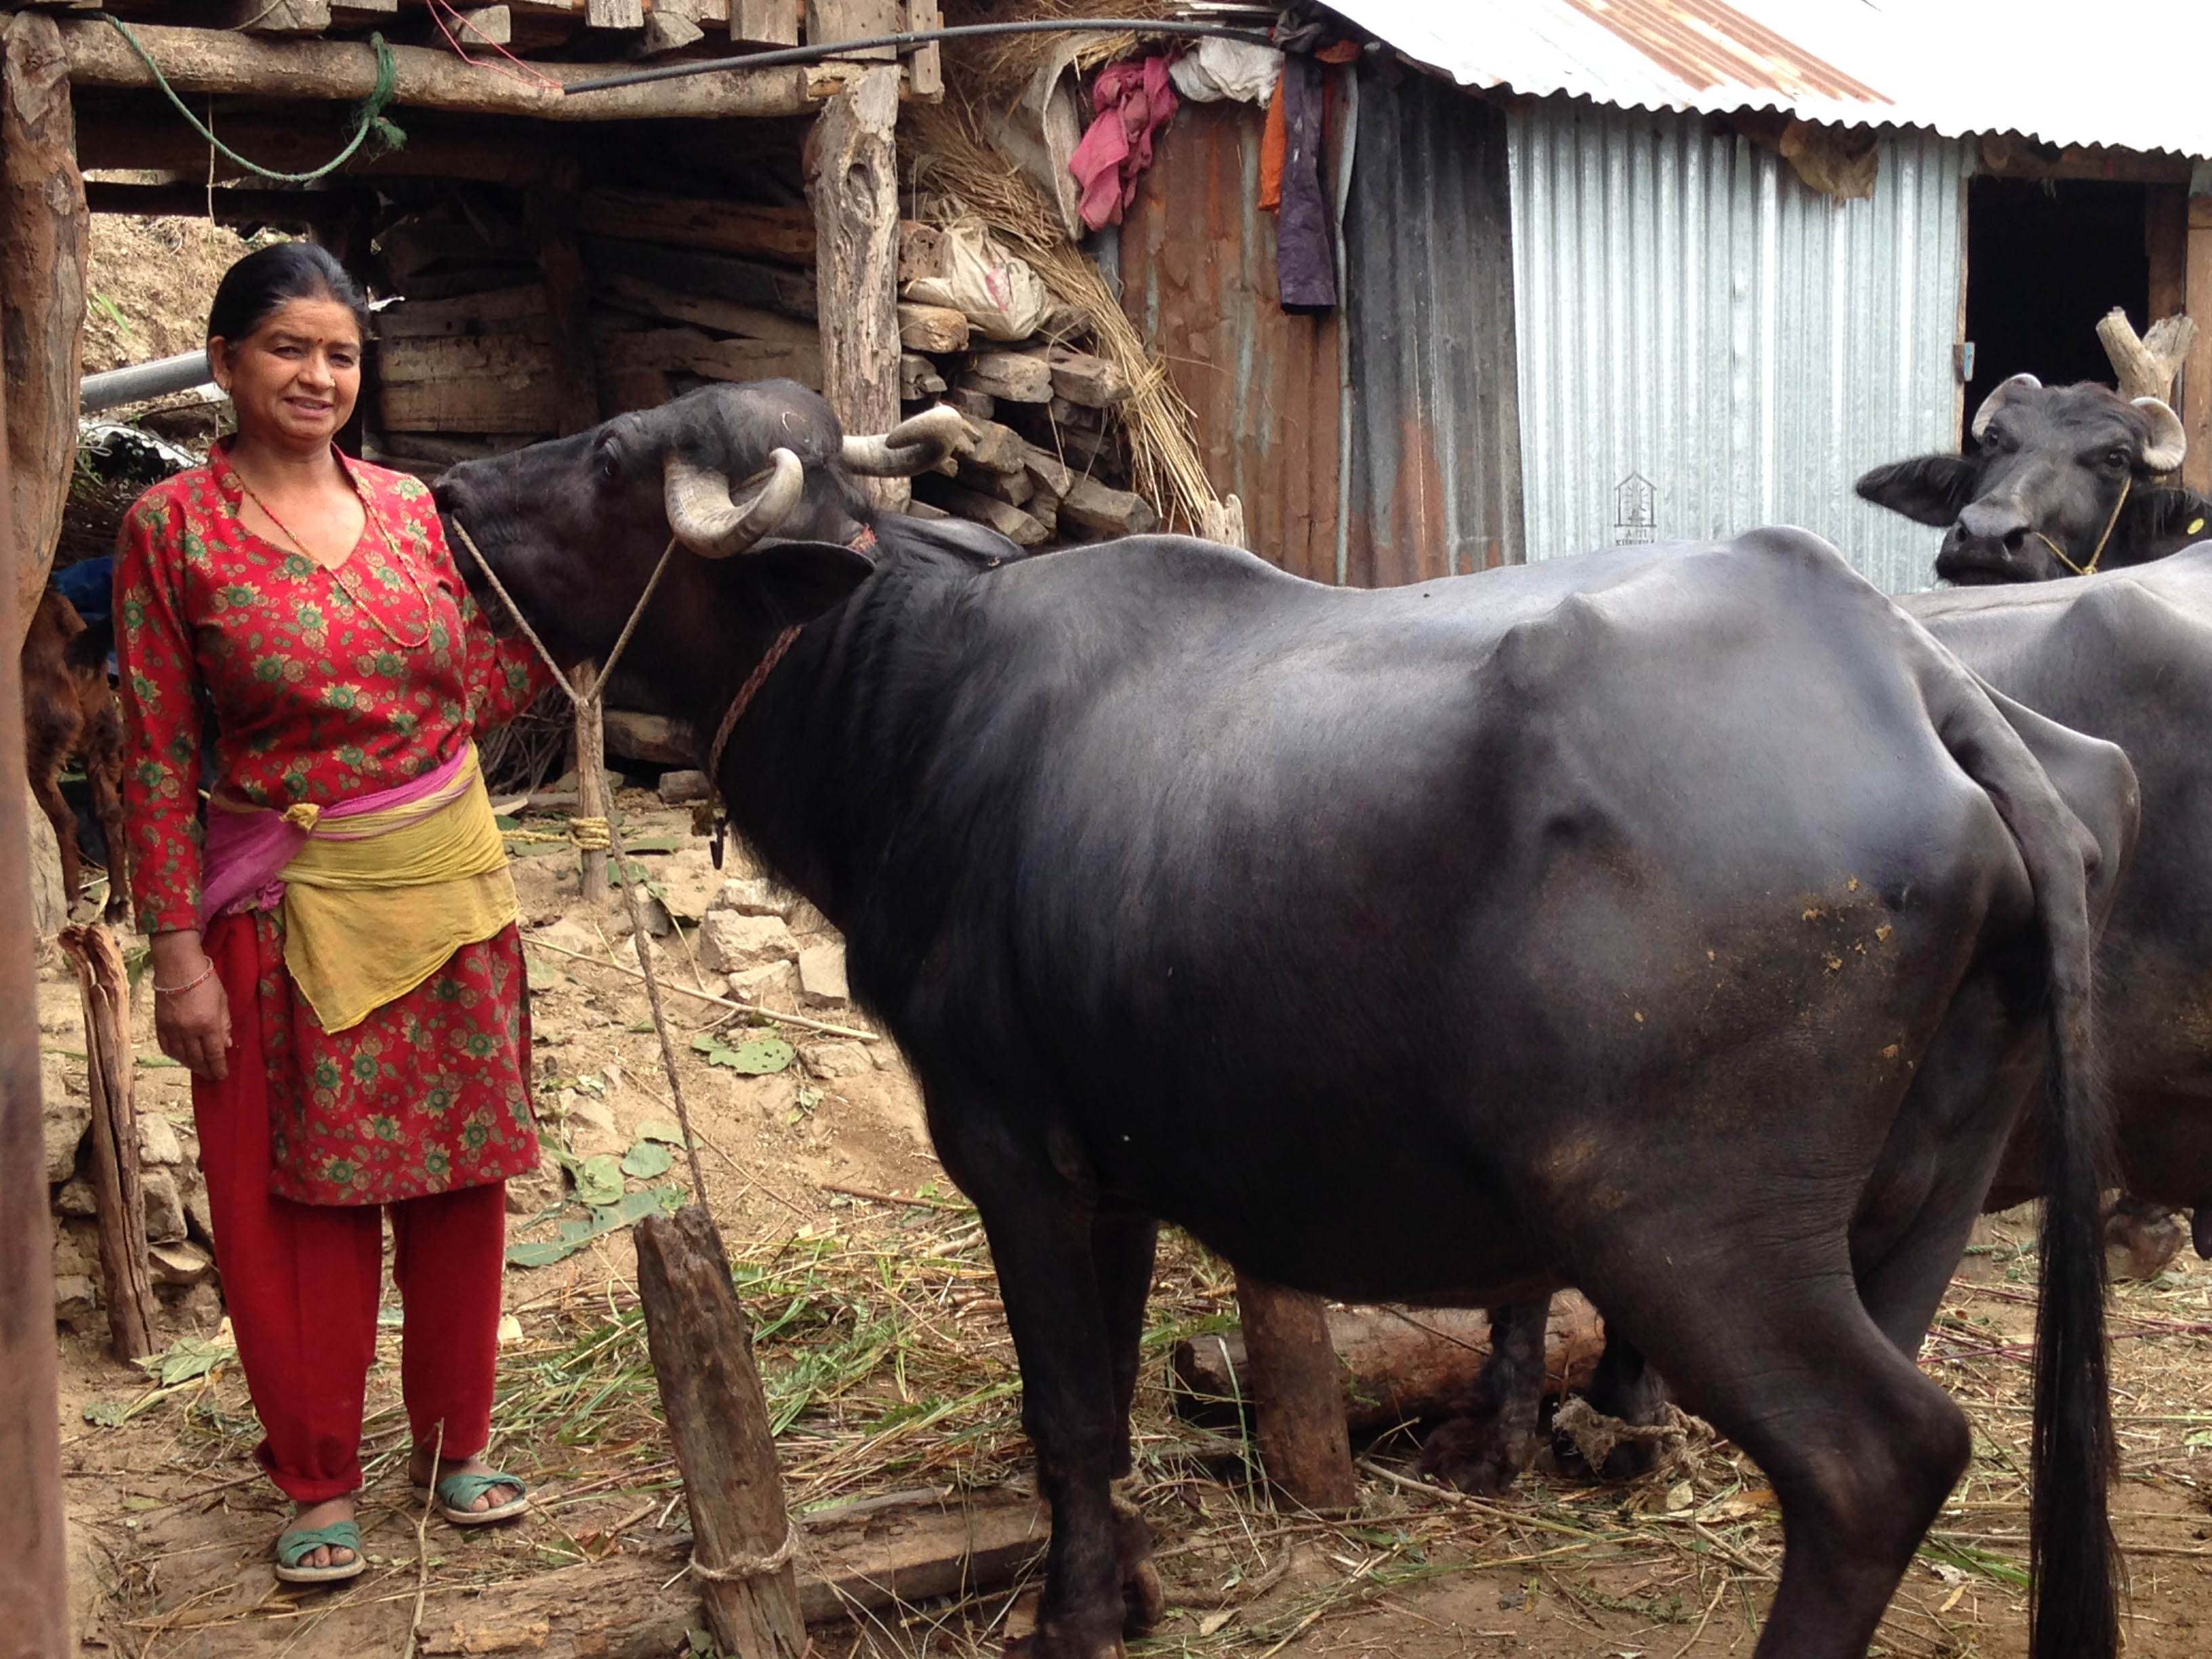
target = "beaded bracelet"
x: 193, y: 983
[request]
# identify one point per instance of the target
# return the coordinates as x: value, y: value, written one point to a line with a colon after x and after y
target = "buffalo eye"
x: 608, y: 462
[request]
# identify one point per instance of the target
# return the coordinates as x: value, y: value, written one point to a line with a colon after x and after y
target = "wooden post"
x: 1297, y: 1398
x: 591, y: 777
x: 33, y: 1571
x: 2146, y: 365
x: 105, y: 987
x: 702, y: 1356
x: 852, y: 181
x: 43, y: 225
x: 2197, y: 377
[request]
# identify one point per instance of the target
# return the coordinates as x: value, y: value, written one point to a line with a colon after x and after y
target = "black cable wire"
x: 902, y: 40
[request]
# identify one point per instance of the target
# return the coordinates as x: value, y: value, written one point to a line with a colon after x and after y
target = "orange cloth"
x: 1274, y: 144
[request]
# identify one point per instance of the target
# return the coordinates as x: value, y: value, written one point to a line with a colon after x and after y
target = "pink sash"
x: 242, y: 867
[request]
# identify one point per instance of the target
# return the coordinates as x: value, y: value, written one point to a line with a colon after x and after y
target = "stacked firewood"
x: 668, y: 293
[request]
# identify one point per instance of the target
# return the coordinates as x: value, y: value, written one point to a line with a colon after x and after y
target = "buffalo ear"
x: 799, y: 580
x: 2159, y: 512
x: 1932, y: 489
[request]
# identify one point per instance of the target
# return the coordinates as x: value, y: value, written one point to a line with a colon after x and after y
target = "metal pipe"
x: 142, y: 380
x: 907, y: 38
x: 34, y: 1560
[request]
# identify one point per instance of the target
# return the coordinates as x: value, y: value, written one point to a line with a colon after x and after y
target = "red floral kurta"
x: 249, y: 667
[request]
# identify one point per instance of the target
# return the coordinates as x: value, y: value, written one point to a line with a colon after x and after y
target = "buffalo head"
x: 2062, y: 478
x: 754, y: 482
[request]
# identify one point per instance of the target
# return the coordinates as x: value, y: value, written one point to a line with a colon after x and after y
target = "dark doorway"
x: 2045, y: 260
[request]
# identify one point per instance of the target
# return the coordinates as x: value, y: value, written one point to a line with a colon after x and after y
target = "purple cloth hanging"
x: 1305, y: 259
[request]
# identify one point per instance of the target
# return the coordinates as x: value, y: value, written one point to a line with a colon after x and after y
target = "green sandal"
x: 457, y: 1492
x: 296, y: 1545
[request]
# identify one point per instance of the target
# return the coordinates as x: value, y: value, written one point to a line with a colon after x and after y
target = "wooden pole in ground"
x: 43, y: 228
x: 2197, y: 376
x: 34, y: 1555
x: 592, y: 806
x: 852, y: 182
x: 105, y: 986
x: 702, y: 1356
x: 1297, y: 1396
x: 2146, y: 365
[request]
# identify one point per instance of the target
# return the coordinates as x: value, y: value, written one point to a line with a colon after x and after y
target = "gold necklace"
x: 375, y: 517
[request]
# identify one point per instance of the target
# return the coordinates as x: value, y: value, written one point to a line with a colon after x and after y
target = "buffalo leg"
x: 1042, y: 1243
x: 1626, y: 1386
x: 1862, y: 1449
x: 1491, y: 1436
x: 1123, y: 1246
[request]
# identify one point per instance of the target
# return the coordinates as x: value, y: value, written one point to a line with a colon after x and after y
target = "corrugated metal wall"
x: 1690, y: 313
x: 1425, y: 333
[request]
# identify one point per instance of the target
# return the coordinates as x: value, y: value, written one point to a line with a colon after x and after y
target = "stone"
x: 66, y: 1117
x: 157, y: 1139
x: 729, y: 940
x: 676, y: 788
x: 689, y: 880
x: 806, y: 919
x: 165, y: 1206
x: 836, y: 1060
x: 73, y: 1255
x: 771, y: 982
x: 49, y: 913
x: 199, y: 1216
x: 886, y: 1056
x: 179, y: 1263
x: 755, y: 895
x: 73, y: 1297
x: 821, y: 976
x: 76, y: 1198
x: 536, y: 1189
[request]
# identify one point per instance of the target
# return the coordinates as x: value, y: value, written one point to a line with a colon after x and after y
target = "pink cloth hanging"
x: 1133, y: 100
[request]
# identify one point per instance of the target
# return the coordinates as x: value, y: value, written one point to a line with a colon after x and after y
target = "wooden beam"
x: 204, y: 61
x: 292, y: 208
x: 308, y: 136
x: 635, y: 294
x: 576, y: 393
x: 763, y: 22
x: 614, y: 14
x: 274, y: 16
x: 2166, y: 241
x: 759, y: 233
x: 850, y: 20
x: 44, y: 223
x: 2197, y: 376
x: 481, y: 26
x: 34, y: 1608
x: 852, y: 184
x: 688, y: 350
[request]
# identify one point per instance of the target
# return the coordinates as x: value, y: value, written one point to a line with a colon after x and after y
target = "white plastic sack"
x: 1227, y: 69
x: 997, y: 293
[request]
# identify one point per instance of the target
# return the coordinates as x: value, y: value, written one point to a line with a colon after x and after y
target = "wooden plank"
x: 651, y: 299
x: 43, y: 227
x: 1021, y: 528
x: 497, y: 311
x: 924, y: 68
x: 552, y: 215
x: 461, y: 356
x: 1113, y: 512
x: 932, y: 328
x: 849, y: 20
x: 207, y: 61
x: 851, y: 185
x: 1083, y: 379
x: 2165, y: 239
x: 2197, y: 377
x: 759, y: 233
x: 695, y: 353
x: 763, y: 22
x: 714, y: 276
x: 482, y: 26
x: 472, y: 404
x: 274, y: 16
x: 1019, y: 377
x: 614, y: 14
x: 918, y: 377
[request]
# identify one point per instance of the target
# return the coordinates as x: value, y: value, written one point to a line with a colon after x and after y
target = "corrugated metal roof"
x: 2067, y: 76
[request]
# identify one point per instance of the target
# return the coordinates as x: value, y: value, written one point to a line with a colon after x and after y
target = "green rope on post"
x: 390, y: 136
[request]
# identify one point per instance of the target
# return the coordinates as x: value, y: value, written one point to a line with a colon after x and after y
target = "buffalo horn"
x: 1995, y: 400
x: 712, y: 520
x: 2167, y: 443
x: 915, y: 444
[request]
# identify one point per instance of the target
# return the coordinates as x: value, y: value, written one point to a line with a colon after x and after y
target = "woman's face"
x: 294, y: 378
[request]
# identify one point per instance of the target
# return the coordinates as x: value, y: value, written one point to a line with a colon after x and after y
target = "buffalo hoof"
x: 1144, y: 1600
x: 2141, y: 1239
x: 1053, y: 1640
x: 1476, y: 1453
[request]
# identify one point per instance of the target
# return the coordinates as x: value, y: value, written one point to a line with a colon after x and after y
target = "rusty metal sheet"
x: 1432, y: 471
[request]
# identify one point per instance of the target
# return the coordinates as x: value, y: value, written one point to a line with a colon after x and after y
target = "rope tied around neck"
x: 2090, y: 568
x: 371, y: 110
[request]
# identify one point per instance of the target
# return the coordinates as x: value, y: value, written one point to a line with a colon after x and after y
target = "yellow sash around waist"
x: 375, y: 904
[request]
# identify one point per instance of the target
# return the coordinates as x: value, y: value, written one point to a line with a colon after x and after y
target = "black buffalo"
x: 1682, y: 928
x: 2063, y: 481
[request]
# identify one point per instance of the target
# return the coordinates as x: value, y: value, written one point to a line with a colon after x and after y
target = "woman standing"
x: 335, y: 954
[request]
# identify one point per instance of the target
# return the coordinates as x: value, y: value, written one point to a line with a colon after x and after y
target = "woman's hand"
x: 191, y: 1025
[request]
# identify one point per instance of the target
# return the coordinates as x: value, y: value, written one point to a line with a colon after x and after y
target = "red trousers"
x: 303, y: 1281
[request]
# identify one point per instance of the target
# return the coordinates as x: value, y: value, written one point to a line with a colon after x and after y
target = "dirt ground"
x: 151, y: 281
x: 888, y: 1368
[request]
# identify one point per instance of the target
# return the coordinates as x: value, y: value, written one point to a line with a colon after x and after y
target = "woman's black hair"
x: 265, y: 281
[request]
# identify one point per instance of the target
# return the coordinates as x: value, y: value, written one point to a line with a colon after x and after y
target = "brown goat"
x: 70, y: 708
